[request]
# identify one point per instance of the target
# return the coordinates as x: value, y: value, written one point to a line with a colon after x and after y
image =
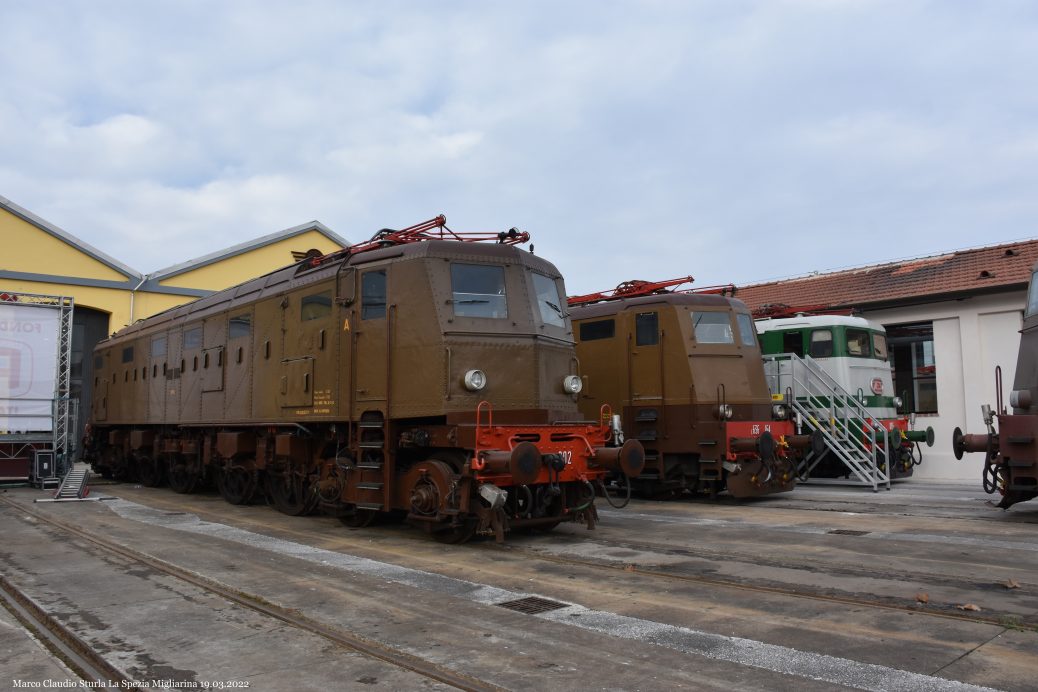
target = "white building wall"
x: 971, y: 337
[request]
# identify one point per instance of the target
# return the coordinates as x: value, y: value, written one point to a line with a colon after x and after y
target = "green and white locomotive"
x: 837, y: 368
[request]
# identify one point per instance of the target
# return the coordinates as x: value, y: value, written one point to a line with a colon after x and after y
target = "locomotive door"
x: 646, y: 352
x: 371, y: 342
x: 157, y: 368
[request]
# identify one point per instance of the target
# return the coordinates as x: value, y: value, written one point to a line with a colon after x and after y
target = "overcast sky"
x: 733, y: 141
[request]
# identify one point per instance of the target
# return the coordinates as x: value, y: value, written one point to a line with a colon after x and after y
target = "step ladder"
x: 851, y: 432
x: 372, y: 457
x: 73, y: 486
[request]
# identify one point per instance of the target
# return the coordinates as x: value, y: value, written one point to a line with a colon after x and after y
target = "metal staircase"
x: 852, y: 434
x: 73, y: 486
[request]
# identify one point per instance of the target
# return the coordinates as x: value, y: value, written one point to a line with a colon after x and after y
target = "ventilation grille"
x: 532, y: 605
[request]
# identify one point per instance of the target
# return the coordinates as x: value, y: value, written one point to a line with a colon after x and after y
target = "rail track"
x: 61, y: 641
x: 92, y: 663
x: 892, y: 604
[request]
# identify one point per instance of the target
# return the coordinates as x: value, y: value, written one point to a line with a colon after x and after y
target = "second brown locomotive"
x: 686, y: 370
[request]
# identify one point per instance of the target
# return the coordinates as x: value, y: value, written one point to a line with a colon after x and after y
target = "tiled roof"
x: 1000, y: 267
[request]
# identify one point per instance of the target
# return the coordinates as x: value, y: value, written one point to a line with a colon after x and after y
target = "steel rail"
x: 347, y: 640
x: 64, y: 644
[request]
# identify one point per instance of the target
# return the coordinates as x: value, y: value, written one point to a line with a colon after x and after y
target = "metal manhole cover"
x: 849, y: 532
x: 532, y: 605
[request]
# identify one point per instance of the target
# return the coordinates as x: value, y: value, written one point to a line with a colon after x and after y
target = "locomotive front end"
x: 1011, y: 449
x: 467, y: 387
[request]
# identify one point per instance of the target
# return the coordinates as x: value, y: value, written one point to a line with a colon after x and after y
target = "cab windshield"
x: 879, y: 344
x: 478, y: 290
x: 548, y: 302
x: 713, y: 328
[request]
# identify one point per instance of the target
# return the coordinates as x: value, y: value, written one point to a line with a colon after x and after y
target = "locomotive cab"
x: 687, y: 369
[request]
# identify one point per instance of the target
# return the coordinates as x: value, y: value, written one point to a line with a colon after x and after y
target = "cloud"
x: 734, y: 141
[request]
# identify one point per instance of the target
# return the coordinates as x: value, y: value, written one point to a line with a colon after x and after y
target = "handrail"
x: 847, y: 426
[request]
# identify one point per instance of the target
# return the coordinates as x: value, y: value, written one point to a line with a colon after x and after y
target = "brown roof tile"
x: 1005, y: 266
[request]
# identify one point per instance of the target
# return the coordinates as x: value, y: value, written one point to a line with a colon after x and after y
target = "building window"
x: 913, y: 366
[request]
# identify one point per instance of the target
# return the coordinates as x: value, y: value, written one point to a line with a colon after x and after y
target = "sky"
x: 734, y: 141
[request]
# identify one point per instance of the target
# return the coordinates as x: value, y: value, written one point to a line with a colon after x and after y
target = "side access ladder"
x: 851, y: 432
x: 374, y: 461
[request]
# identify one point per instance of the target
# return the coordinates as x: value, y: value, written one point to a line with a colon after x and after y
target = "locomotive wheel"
x: 182, y: 478
x: 237, y: 484
x: 150, y: 471
x: 290, y: 493
x: 458, y: 534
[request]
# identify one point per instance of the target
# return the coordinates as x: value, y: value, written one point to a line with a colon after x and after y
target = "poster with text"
x: 28, y: 367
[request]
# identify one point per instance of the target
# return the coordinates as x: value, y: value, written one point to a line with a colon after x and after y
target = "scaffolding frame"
x: 64, y: 411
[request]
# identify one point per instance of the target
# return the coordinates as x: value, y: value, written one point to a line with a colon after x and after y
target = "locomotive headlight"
x: 475, y: 380
x: 897, y: 402
x: 779, y: 412
x: 724, y: 412
x: 572, y: 384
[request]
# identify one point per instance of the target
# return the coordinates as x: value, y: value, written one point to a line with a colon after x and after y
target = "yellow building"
x: 40, y: 258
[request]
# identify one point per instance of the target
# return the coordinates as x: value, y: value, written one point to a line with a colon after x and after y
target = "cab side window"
x: 822, y: 343
x: 646, y: 329
x: 593, y: 331
x: 793, y: 342
x: 373, y: 294
x: 747, y: 332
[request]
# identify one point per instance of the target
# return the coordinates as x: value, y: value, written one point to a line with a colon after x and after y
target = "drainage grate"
x: 532, y: 605
x: 849, y: 532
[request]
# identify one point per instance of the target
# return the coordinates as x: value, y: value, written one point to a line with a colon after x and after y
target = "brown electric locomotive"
x: 1011, y: 451
x: 686, y: 368
x: 416, y: 374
